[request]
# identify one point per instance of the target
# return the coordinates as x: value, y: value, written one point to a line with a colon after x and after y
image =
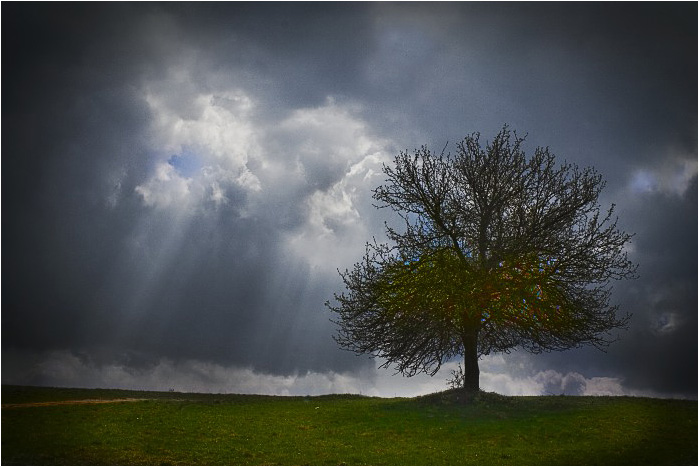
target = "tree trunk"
x: 471, y: 361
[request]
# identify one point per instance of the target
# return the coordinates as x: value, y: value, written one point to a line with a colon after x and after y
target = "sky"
x: 181, y: 182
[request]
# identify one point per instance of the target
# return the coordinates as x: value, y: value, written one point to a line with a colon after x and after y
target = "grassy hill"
x: 199, y: 429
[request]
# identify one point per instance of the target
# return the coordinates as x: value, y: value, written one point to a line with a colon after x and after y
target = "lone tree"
x: 498, y: 252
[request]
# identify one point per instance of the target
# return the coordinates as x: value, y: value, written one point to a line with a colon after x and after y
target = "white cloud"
x: 670, y: 175
x: 605, y: 386
x: 165, y: 188
x: 65, y: 369
x: 509, y: 375
x: 216, y: 125
x: 332, y: 207
x: 213, y: 134
x: 329, y: 133
x: 315, y: 167
x: 206, y: 142
x: 335, y: 145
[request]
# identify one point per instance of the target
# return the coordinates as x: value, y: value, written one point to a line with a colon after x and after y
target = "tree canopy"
x: 497, y: 251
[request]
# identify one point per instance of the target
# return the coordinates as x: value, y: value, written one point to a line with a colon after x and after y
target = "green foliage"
x: 521, y: 295
x: 194, y: 429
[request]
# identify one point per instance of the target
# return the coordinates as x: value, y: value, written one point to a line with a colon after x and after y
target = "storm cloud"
x: 182, y: 181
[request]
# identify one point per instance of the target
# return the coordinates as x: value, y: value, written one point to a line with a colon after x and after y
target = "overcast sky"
x: 180, y: 182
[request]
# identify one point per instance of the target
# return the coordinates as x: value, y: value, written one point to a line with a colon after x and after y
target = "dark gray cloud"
x: 182, y: 180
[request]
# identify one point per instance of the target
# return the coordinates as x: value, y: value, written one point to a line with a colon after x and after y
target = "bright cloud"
x: 325, y: 157
x: 671, y: 175
x: 202, y: 145
x: 216, y: 125
x: 165, y: 188
x: 336, y: 150
x: 66, y: 369
x: 315, y: 166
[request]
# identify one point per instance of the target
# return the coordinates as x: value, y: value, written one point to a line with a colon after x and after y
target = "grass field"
x: 199, y: 429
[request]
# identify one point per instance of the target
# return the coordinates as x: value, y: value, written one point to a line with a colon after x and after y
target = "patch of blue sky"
x: 186, y: 164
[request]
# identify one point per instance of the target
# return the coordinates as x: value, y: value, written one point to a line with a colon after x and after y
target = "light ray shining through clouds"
x: 182, y: 181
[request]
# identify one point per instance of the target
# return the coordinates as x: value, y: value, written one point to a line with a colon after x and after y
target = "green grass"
x: 198, y: 429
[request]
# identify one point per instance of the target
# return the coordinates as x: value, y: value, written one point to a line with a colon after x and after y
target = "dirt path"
x: 70, y: 402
